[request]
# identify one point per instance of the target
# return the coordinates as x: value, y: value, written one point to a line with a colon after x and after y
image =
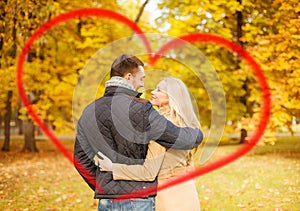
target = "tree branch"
x: 141, y: 11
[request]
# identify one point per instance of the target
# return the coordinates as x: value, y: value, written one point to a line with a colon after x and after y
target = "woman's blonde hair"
x: 181, y: 107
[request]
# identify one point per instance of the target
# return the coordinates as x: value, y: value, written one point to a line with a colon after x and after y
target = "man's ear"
x: 127, y: 76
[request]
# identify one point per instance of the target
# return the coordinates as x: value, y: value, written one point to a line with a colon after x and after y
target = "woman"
x: 172, y: 98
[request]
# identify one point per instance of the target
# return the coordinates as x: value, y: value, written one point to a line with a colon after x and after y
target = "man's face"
x: 137, y: 79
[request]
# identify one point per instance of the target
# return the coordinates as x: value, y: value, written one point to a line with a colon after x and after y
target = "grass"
x: 267, y: 178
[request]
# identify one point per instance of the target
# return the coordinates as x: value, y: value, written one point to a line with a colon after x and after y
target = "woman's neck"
x: 164, y: 109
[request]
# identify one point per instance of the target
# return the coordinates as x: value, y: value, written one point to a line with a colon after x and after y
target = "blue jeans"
x: 138, y: 204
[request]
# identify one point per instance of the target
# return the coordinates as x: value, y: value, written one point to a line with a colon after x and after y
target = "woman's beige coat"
x: 167, y: 164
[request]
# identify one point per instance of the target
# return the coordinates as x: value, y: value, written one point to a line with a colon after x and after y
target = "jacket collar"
x: 114, y: 90
x: 119, y: 85
x: 119, y: 81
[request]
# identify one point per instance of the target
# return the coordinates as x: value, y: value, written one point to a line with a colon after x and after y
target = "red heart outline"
x: 191, y: 38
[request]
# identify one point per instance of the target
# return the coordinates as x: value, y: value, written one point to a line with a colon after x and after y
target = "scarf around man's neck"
x: 119, y: 81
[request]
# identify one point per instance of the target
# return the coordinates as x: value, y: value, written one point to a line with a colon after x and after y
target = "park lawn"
x: 267, y: 178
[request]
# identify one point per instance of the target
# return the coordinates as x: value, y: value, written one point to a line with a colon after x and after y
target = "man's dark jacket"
x: 120, y: 125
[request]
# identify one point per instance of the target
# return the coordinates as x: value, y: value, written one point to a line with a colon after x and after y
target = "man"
x: 120, y: 125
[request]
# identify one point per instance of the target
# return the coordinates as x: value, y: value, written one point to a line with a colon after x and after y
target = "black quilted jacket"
x: 120, y: 125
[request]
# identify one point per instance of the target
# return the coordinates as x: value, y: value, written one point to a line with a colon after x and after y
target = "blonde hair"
x: 181, y: 107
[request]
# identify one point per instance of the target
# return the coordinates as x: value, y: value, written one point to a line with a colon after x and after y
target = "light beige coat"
x: 167, y: 165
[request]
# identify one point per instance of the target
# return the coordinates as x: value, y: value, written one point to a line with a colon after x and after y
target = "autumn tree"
x: 278, y: 53
x: 56, y: 61
x: 8, y: 47
x: 53, y: 63
x: 260, y: 29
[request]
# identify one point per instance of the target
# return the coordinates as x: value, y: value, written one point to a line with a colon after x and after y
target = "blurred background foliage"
x: 268, y: 30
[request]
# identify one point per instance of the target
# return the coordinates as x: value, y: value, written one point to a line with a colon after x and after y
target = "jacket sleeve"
x: 83, y: 163
x: 168, y: 134
x: 146, y: 172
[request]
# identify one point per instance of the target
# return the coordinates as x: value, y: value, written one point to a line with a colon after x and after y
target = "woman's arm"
x: 146, y: 172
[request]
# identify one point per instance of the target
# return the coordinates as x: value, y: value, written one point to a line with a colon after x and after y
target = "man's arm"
x: 169, y: 135
x: 84, y: 165
x: 148, y: 171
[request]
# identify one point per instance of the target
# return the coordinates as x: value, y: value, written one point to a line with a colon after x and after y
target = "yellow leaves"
x: 293, y: 29
x: 294, y: 103
x: 70, y: 79
x: 271, y: 37
x: 234, y: 6
x: 285, y: 6
x: 296, y: 36
x: 248, y: 4
x: 263, y: 42
x: 226, y: 33
x: 87, y: 32
x: 188, y: 9
x: 23, y: 114
x: 268, y: 138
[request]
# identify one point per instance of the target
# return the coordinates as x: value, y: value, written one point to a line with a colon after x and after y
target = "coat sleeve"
x: 169, y: 135
x: 146, y: 172
x: 82, y: 162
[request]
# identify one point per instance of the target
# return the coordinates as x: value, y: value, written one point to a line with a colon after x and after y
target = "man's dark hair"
x: 125, y: 64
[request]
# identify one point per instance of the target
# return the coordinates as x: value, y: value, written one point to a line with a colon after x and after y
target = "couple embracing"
x: 123, y: 145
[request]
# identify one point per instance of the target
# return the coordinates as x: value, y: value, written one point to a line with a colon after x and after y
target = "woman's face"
x: 159, y: 96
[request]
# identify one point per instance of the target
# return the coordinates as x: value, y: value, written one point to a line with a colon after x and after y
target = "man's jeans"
x: 138, y: 204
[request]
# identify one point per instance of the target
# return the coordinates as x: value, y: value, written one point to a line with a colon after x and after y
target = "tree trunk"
x: 244, y: 135
x: 239, y: 34
x: 7, y: 119
x: 1, y: 122
x: 29, y: 144
x: 239, y: 25
x: 19, y: 125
